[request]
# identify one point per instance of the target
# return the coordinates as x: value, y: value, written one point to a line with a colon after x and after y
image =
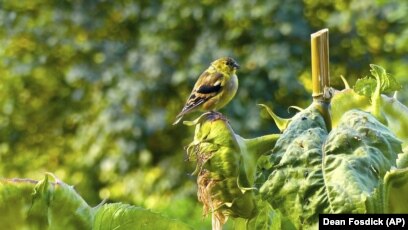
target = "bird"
x: 215, y: 87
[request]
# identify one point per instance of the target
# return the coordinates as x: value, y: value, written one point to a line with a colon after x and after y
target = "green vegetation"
x: 359, y: 166
x: 88, y: 89
x: 29, y: 204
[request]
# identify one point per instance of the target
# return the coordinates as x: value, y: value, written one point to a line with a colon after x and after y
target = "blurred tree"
x: 89, y: 89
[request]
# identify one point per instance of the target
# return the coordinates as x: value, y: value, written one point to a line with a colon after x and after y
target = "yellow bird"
x: 215, y: 87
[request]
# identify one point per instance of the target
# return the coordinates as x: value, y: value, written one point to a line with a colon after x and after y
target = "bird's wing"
x: 208, y: 85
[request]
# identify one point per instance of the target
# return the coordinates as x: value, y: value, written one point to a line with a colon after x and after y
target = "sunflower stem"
x: 320, y: 74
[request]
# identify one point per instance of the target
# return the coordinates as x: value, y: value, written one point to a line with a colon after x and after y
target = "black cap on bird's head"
x: 225, y: 64
x: 232, y: 63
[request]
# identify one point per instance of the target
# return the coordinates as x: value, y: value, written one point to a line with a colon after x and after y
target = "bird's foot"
x: 214, y: 115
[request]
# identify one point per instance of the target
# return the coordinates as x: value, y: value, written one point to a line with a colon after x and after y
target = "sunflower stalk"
x: 320, y: 74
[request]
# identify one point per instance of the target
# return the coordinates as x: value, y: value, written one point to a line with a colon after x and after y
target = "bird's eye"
x: 231, y: 63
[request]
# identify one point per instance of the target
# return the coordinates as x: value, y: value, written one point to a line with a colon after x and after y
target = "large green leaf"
x: 311, y: 171
x: 28, y: 204
x: 17, y: 207
x: 357, y: 154
x: 295, y: 183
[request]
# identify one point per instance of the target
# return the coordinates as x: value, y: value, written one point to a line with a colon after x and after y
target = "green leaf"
x: 373, y: 88
x: 396, y: 189
x: 367, y: 86
x: 295, y: 180
x: 358, y: 153
x: 346, y: 100
x: 402, y: 161
x: 16, y: 205
x: 393, y: 113
x: 312, y: 171
x: 67, y: 209
x: 267, y: 218
x: 42, y: 205
x: 388, y: 82
x: 126, y: 217
x: 282, y: 123
x: 28, y: 204
x: 397, y: 117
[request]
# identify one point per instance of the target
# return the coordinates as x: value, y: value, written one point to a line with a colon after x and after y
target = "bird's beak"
x: 236, y: 66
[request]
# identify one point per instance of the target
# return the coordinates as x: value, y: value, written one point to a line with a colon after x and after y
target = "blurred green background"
x: 89, y: 89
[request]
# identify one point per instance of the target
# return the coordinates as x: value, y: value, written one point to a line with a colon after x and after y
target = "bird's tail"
x: 178, y: 119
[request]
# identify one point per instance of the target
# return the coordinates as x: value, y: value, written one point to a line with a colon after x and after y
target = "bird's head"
x: 226, y: 65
